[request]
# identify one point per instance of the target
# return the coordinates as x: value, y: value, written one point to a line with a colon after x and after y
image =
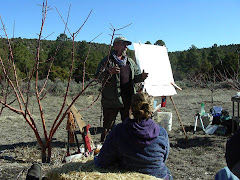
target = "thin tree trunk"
x: 43, y: 153
x: 46, y: 153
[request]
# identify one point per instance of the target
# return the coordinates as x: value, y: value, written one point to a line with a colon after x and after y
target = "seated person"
x: 232, y: 154
x: 137, y: 144
x: 225, y: 174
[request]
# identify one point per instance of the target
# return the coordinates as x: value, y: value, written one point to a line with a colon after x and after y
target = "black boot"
x: 35, y: 172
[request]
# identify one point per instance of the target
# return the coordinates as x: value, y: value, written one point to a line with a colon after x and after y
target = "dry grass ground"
x: 198, y: 158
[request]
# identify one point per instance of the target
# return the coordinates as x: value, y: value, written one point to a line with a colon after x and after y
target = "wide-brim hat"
x: 122, y: 39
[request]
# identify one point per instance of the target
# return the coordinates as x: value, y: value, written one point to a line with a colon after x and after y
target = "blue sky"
x: 179, y: 23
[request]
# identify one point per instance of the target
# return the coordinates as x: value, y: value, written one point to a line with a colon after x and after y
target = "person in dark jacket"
x: 118, y: 74
x: 137, y: 144
x: 232, y: 153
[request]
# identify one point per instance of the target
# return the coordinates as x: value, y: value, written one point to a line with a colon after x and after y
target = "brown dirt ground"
x: 198, y: 158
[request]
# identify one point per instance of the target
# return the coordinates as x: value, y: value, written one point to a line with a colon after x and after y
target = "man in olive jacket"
x: 118, y: 74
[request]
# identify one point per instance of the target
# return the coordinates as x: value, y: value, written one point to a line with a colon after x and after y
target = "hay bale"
x: 85, y: 169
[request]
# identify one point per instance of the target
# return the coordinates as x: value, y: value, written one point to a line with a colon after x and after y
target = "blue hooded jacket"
x: 136, y: 146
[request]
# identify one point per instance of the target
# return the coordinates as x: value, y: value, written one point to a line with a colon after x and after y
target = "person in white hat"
x: 120, y: 74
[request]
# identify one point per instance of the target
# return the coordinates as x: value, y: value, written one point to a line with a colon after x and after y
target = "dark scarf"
x: 120, y: 62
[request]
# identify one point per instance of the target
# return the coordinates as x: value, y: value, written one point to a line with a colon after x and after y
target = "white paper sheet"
x: 154, y: 60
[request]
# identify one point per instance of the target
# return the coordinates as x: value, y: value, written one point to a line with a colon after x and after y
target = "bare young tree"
x: 11, y: 86
x: 223, y: 78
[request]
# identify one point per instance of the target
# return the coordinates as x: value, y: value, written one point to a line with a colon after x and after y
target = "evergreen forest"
x: 194, y: 63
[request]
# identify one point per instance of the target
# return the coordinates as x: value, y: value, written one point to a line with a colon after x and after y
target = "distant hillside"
x: 206, y: 62
x: 186, y: 64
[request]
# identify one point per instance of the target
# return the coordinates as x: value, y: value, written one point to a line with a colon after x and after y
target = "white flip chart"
x: 153, y: 59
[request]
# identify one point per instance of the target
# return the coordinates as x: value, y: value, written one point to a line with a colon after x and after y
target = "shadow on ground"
x: 193, y: 142
x: 59, y: 144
